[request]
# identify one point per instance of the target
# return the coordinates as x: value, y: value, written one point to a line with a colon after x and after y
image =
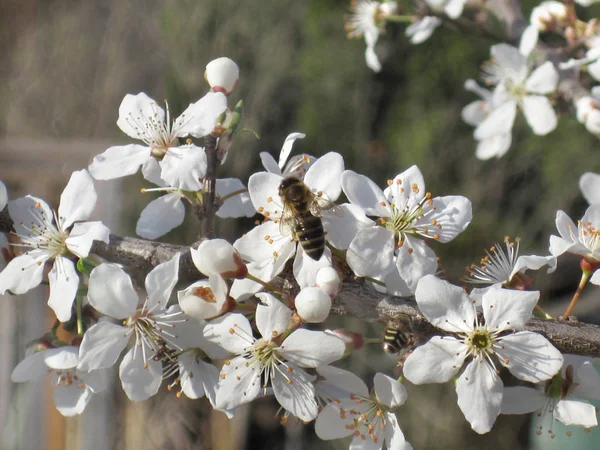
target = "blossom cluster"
x: 236, y: 311
x: 524, y: 78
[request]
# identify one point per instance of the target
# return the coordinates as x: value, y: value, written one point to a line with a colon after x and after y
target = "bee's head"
x: 292, y: 189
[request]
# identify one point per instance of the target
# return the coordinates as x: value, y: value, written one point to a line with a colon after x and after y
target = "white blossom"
x: 528, y: 356
x: 583, y: 239
x: 368, y: 19
x: 72, y: 388
x: 392, y: 245
x: 149, y: 324
x: 500, y: 265
x: 517, y: 87
x: 566, y: 397
x: 275, y: 360
x: 50, y: 235
x: 422, y: 30
x: 368, y: 417
x: 141, y: 118
x: 265, y: 247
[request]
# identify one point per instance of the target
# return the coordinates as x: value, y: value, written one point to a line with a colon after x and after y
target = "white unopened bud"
x: 313, y: 304
x: 218, y: 257
x: 222, y: 74
x: 548, y: 15
x: 329, y: 280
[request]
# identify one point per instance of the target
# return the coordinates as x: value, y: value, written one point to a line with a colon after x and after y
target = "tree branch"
x: 357, y: 298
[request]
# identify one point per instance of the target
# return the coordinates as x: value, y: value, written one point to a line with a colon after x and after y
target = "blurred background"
x: 66, y: 66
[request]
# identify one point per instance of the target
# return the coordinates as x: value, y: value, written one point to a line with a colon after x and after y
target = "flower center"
x: 367, y: 418
x: 480, y: 342
x: 43, y: 233
x: 589, y: 236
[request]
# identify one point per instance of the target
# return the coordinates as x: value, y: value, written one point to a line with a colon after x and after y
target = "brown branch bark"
x: 357, y: 299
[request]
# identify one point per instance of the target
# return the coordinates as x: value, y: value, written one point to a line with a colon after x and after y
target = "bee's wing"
x: 286, y: 223
x: 321, y: 204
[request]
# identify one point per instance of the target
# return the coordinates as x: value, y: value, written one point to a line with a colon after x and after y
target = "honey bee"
x: 398, y: 336
x: 302, y: 212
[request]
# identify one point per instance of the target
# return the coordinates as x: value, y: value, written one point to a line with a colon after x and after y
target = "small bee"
x: 398, y: 336
x: 302, y: 212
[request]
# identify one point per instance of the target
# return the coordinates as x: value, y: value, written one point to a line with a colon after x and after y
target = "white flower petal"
x: 510, y: 60
x: 28, y: 212
x: 407, y: 189
x: 238, y: 205
x: 64, y: 282
x: 371, y: 57
x: 198, y: 378
x: 454, y: 8
x: 507, y: 309
x: 239, y: 383
x: 529, y: 40
x: 389, y: 391
x: 499, y: 122
x: 529, y: 356
x: 71, y: 399
x: 83, y: 235
x: 140, y: 380
x: 479, y: 391
x: 62, y: 358
x: 475, y: 112
x: 286, y: 149
x: 452, y: 215
x: 371, y: 252
x: 393, y: 434
x: 365, y: 194
x: 160, y: 283
x: 539, y: 114
x: 573, y: 412
x: 422, y: 30
x: 272, y: 316
x: 495, y: 146
x: 78, y: 199
x: 160, y: 216
x: 342, y: 229
x: 342, y: 381
x: 111, y: 291
x: 200, y: 118
x: 218, y: 331
x: 324, y: 176
x: 305, y: 268
x: 329, y: 425
x: 263, y: 188
x: 522, y: 400
x: 20, y: 275
x: 594, y: 69
x: 312, y: 348
x: 33, y: 367
x: 136, y: 112
x: 294, y: 391
x: 183, y: 167
x: 269, y: 163
x: 119, y: 161
x: 542, y: 80
x: 414, y: 260
x: 588, y: 379
x: 436, y: 361
x: 446, y: 306
x: 256, y: 244
x: 589, y: 183
x: 151, y: 172
x: 533, y: 262
x: 101, y: 346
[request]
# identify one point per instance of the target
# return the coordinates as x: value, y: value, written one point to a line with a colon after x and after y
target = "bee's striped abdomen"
x: 310, y: 234
x: 394, y: 340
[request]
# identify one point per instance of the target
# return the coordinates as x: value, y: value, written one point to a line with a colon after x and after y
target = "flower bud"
x: 548, y: 15
x: 218, y: 257
x: 222, y: 74
x: 313, y: 304
x: 329, y: 280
